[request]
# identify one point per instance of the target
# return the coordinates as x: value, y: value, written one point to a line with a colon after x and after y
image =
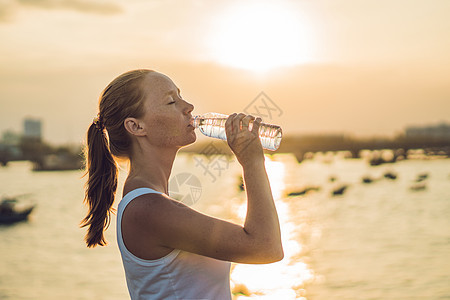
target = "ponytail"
x: 101, y: 186
x: 107, y: 138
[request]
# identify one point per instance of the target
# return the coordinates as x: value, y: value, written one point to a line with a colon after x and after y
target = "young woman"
x: 169, y: 250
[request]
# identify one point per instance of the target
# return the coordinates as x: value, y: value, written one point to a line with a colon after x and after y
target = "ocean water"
x: 381, y: 240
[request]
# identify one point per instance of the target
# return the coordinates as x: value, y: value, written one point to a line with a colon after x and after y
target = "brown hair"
x: 106, y: 138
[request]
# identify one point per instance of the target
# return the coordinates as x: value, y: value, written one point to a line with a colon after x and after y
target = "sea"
x: 387, y: 238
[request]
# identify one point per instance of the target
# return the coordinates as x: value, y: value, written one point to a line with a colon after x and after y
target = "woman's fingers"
x: 229, y: 124
x: 255, y: 126
x: 237, y: 122
x: 246, y: 121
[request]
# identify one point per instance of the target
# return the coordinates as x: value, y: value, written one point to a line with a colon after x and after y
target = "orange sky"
x: 357, y: 67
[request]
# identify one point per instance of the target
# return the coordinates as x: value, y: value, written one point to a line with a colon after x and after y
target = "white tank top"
x: 178, y: 275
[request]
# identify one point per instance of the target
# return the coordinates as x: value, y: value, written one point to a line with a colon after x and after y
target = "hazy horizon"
x: 361, y: 68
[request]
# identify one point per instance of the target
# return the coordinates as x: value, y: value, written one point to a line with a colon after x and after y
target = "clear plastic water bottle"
x: 213, y: 125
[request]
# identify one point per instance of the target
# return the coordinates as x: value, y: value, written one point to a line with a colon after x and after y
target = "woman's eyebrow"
x: 172, y: 92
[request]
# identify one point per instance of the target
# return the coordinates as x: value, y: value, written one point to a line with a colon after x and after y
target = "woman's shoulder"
x: 141, y: 195
x: 146, y: 209
x: 136, y: 183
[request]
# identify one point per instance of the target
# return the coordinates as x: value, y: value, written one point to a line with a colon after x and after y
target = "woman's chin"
x: 194, y: 138
x: 190, y: 139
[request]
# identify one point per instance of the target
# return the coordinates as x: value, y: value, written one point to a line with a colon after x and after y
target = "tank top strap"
x: 136, y: 193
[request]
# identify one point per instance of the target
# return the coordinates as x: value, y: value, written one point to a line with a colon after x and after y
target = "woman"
x: 169, y: 250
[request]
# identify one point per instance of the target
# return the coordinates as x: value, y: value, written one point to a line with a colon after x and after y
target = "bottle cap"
x: 195, y: 121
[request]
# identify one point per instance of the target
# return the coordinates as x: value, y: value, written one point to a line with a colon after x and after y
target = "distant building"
x: 440, y: 131
x: 32, y: 129
x: 11, y: 138
x: 9, y: 147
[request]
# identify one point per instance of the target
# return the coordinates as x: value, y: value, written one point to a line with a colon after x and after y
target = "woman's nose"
x: 189, y: 108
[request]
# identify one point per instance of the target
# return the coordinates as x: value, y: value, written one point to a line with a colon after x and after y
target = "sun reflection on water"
x: 280, y: 280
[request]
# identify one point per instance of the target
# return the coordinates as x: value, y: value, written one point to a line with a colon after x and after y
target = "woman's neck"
x: 151, y: 167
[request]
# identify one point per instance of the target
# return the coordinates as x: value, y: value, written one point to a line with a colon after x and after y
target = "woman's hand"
x: 244, y: 143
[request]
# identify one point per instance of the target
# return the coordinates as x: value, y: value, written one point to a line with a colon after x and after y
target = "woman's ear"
x: 134, y: 127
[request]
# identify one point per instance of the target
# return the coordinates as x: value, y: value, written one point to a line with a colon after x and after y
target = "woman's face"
x: 166, y: 115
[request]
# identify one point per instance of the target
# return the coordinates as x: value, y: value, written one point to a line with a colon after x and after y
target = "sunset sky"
x: 331, y: 66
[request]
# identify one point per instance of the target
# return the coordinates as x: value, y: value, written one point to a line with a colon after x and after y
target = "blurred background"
x: 361, y: 179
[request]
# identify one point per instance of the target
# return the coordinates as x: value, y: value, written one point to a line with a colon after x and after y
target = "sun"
x: 260, y: 36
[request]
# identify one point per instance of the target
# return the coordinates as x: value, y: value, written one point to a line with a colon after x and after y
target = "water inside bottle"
x: 270, y: 135
x: 212, y: 127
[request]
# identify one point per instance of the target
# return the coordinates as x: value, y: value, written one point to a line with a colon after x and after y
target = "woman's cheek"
x: 167, y: 126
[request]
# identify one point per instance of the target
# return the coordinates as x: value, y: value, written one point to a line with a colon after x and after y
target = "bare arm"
x: 168, y: 223
x: 261, y: 222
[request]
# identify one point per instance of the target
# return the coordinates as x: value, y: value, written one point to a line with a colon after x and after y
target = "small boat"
x: 9, y: 213
x: 339, y: 190
x: 367, y: 179
x: 390, y: 175
x: 59, y: 162
x: 303, y: 191
x: 421, y: 177
x: 418, y: 187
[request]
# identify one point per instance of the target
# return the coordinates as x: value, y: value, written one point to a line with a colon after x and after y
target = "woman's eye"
x: 171, y: 99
